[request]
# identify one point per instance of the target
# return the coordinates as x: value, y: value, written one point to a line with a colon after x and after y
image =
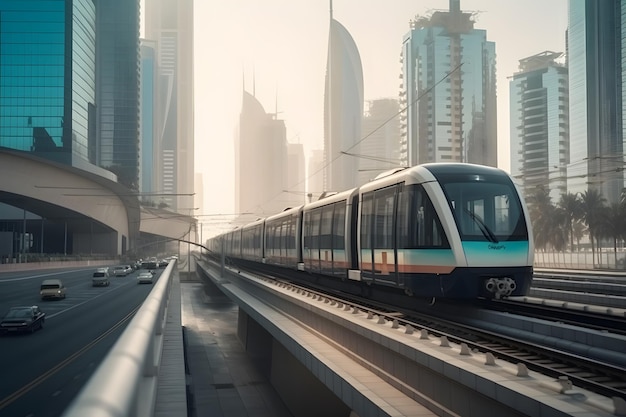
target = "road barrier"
x: 125, y: 383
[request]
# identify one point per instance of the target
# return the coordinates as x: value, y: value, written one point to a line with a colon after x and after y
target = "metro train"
x: 437, y: 230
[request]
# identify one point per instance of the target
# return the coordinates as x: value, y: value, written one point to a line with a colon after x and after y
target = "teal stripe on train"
x: 442, y: 257
x: 505, y: 253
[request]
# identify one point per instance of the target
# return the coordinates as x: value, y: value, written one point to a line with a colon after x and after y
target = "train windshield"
x: 485, y: 208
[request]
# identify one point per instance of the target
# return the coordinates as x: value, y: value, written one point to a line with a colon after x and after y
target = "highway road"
x: 41, y: 373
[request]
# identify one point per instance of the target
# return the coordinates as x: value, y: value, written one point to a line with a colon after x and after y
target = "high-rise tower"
x: 47, y: 79
x: 448, y: 90
x: 381, y: 139
x: 117, y: 89
x: 260, y: 161
x: 595, y: 59
x: 540, y: 124
x: 170, y: 24
x: 343, y: 108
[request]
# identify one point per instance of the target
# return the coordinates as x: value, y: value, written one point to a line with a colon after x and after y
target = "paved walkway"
x: 224, y: 381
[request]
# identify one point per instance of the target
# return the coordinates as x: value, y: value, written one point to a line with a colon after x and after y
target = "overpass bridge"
x: 78, y: 211
x: 323, y: 358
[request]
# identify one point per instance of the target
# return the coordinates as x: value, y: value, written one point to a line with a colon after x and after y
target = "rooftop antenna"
x: 331, y: 9
x: 276, y: 105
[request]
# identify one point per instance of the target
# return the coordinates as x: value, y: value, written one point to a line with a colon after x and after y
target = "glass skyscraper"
x: 448, y: 91
x: 539, y: 124
x: 148, y: 83
x: 169, y: 23
x: 69, y: 83
x: 117, y: 89
x: 595, y: 37
x: 47, y: 78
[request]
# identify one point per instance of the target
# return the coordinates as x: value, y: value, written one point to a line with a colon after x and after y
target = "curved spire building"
x: 343, y: 109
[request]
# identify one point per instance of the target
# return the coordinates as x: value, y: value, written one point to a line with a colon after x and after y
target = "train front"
x: 493, y: 231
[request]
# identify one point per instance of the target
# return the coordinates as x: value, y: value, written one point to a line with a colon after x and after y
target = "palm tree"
x: 592, y: 203
x: 571, y: 206
x: 611, y: 224
x: 541, y: 214
x: 558, y: 230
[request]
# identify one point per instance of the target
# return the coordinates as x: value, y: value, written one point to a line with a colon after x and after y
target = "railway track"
x: 587, y: 319
x: 570, y: 370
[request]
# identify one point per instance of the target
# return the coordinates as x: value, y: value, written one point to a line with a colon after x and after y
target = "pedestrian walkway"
x: 223, y: 380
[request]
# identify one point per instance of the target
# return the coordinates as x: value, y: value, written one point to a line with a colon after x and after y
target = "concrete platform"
x: 223, y: 380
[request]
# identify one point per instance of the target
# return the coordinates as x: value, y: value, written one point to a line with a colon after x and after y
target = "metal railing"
x: 125, y: 383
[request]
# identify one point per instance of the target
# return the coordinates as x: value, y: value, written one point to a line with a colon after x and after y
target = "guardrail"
x: 125, y: 383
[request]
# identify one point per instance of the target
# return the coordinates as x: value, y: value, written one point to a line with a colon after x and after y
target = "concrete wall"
x: 303, y: 394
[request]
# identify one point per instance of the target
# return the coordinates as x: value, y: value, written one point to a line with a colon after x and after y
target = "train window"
x: 326, y: 227
x: 289, y: 237
x: 316, y: 216
x: 306, y: 228
x: 488, y: 210
x: 269, y: 239
x: 257, y: 237
x: 366, y: 221
x: 339, y: 224
x: 418, y: 225
x: 384, y: 207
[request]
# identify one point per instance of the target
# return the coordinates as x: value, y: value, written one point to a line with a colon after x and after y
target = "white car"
x: 144, y: 278
x: 100, y: 277
x: 122, y: 270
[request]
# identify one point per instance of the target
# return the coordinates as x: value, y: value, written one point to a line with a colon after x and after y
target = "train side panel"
x: 251, y: 239
x: 282, y: 239
x: 327, y: 235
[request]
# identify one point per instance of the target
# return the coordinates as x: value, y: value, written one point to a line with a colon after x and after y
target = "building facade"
x: 47, y: 79
x: 148, y: 161
x: 295, y: 185
x: 539, y: 125
x: 261, y: 163
x: 315, y: 175
x: 169, y: 23
x: 448, y: 91
x: 117, y: 89
x: 380, y: 146
x: 343, y: 109
x: 595, y: 59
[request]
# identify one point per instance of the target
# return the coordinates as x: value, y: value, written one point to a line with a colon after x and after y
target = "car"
x: 22, y: 319
x: 122, y: 270
x: 151, y: 264
x: 145, y: 278
x: 52, y: 288
x: 100, y: 277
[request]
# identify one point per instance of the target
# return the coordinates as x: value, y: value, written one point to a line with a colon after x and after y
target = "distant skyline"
x: 277, y: 50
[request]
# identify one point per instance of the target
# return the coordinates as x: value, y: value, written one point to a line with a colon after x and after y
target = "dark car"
x: 22, y: 319
x: 151, y: 264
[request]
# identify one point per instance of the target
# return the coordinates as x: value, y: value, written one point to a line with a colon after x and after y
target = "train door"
x: 340, y: 256
x: 385, y: 236
x: 380, y: 209
x: 311, y: 250
x: 366, y: 254
x: 325, y: 240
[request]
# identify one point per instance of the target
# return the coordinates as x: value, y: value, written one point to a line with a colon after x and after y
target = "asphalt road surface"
x: 42, y: 372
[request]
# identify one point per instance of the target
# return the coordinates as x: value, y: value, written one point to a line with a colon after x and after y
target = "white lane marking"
x: 42, y: 275
x: 86, y: 301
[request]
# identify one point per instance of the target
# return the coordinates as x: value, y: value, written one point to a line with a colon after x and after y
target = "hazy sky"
x: 282, y: 46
